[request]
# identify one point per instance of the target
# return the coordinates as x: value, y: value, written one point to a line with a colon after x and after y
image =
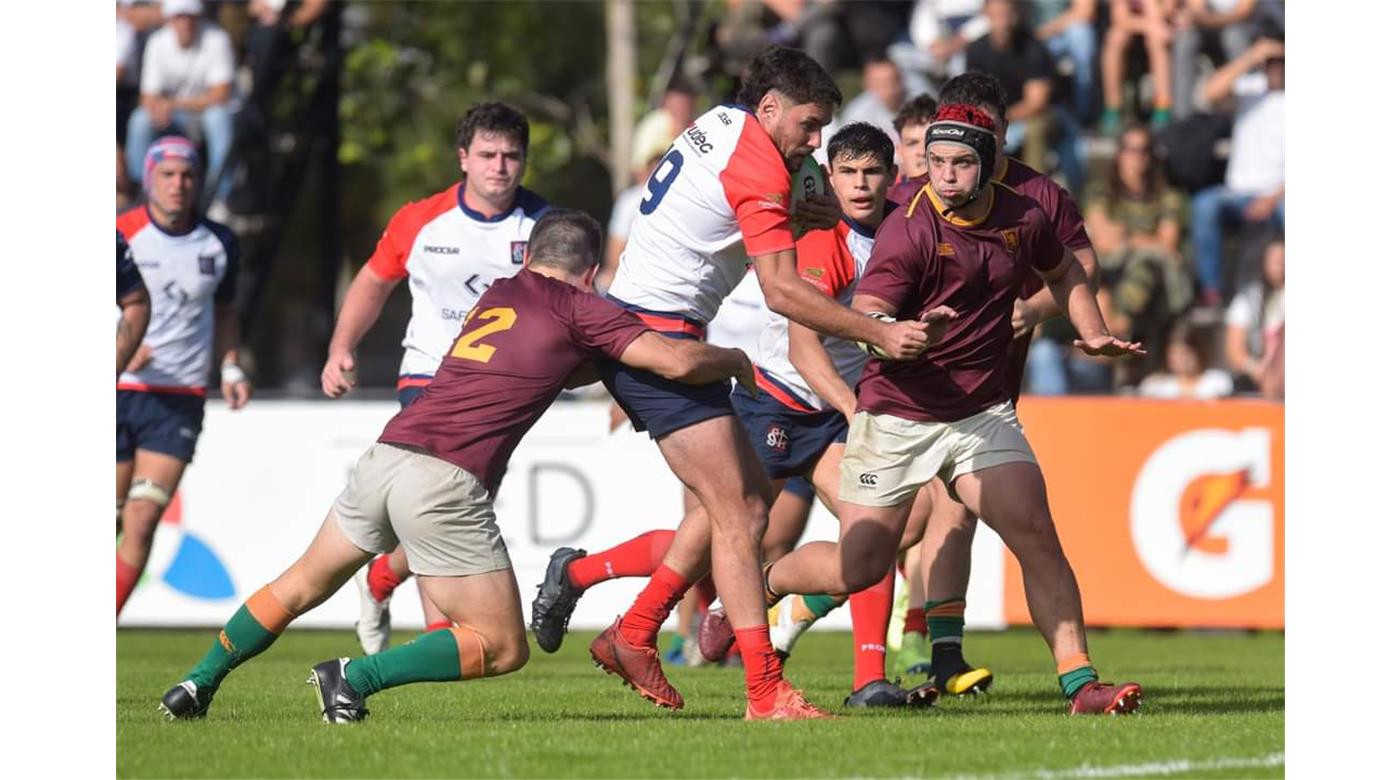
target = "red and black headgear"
x: 969, y: 126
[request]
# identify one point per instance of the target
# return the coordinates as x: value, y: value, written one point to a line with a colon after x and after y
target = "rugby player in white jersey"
x: 450, y: 247
x: 189, y: 265
x: 719, y: 200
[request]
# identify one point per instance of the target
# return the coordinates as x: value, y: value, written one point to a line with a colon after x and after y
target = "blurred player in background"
x: 722, y: 195
x: 960, y: 252
x: 450, y: 247
x: 913, y: 119
x: 190, y: 264
x: 134, y: 305
x: 430, y: 481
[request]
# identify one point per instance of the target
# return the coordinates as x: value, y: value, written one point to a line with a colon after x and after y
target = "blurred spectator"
x: 1254, y: 326
x: 1186, y: 375
x: 1135, y: 220
x: 840, y: 33
x: 136, y: 19
x: 1253, y: 188
x: 650, y: 141
x: 1010, y: 52
x: 1066, y: 27
x: 1220, y: 29
x: 269, y: 41
x: 1129, y: 20
x: 186, y: 83
x: 911, y: 122
x: 881, y: 96
x: 939, y: 32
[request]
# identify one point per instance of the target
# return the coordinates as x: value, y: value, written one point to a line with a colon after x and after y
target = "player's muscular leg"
x: 786, y: 522
x: 713, y: 458
x: 398, y: 563
x: 947, y: 547
x: 490, y: 604
x: 140, y: 516
x: 860, y: 558
x: 1011, y: 499
x: 124, y: 469
x: 327, y: 564
x: 918, y: 520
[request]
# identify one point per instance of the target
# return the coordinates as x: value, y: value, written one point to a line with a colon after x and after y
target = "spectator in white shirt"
x: 186, y: 82
x: 1253, y: 188
x: 1186, y: 376
x: 1254, y: 322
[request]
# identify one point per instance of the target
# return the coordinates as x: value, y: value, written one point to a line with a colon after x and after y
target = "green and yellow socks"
x: 445, y: 655
x: 945, y: 631
x: 1075, y: 672
x: 251, y: 630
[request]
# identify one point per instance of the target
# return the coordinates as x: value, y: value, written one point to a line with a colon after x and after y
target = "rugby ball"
x: 809, y: 180
x: 871, y: 349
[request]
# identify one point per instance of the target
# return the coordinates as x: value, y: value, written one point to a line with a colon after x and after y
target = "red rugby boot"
x: 715, y: 636
x: 788, y: 704
x: 1098, y: 698
x: 639, y: 667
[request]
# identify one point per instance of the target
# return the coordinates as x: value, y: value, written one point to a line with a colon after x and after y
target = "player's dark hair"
x: 566, y: 239
x: 858, y: 140
x: 977, y: 89
x: 495, y: 119
x: 792, y: 73
x: 919, y: 110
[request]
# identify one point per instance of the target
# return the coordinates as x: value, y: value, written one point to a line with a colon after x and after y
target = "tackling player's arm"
x: 691, y: 362
x: 813, y: 363
x: 136, y: 315
x: 1070, y: 287
x: 786, y: 293
x: 364, y: 302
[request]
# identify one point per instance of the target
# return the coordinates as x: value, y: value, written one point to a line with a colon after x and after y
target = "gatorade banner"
x: 1171, y: 512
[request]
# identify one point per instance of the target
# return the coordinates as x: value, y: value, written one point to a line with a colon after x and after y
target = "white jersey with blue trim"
x: 718, y: 196
x: 187, y: 275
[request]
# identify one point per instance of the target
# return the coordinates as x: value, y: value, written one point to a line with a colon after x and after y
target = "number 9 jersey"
x: 719, y: 196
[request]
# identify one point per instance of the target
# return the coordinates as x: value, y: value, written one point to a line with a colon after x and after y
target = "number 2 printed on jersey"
x: 492, y: 321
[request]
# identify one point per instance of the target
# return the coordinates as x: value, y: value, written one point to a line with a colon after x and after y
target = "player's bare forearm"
x: 364, y: 302
x: 685, y: 360
x: 785, y: 293
x: 136, y: 315
x: 226, y: 335
x: 1074, y: 298
x: 813, y: 363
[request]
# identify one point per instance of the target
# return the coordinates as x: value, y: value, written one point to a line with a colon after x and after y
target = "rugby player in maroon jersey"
x: 958, y: 255
x: 430, y: 481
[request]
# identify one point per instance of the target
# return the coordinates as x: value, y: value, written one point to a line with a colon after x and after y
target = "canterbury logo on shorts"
x: 867, y: 479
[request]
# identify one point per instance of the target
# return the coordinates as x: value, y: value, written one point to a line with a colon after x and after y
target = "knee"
x: 139, y: 520
x: 859, y: 574
x: 504, y: 656
x: 1033, y: 534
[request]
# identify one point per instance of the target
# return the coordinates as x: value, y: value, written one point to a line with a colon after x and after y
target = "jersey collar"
x: 477, y: 215
x: 938, y: 208
x: 194, y: 223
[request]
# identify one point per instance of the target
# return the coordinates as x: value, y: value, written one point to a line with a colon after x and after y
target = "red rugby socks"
x: 636, y: 557
x: 762, y: 669
x: 653, y: 605
x: 382, y: 579
x: 870, y: 618
x: 127, y: 577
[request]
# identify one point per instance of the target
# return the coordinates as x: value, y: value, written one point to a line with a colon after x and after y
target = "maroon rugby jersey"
x: 1064, y: 213
x: 977, y: 267
x: 506, y: 366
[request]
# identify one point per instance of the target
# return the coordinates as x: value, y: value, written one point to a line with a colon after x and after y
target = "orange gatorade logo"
x: 1171, y: 512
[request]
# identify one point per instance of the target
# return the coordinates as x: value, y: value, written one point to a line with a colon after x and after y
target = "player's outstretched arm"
x: 691, y: 362
x: 364, y: 302
x: 1070, y: 287
x: 136, y: 315
x: 813, y: 363
x: 786, y: 294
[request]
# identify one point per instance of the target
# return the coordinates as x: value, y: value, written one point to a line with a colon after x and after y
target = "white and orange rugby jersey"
x: 186, y: 274
x: 450, y: 254
x: 832, y: 261
x: 719, y: 196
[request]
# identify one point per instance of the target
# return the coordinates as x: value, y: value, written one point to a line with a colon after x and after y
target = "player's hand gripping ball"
x: 871, y: 349
x: 809, y: 180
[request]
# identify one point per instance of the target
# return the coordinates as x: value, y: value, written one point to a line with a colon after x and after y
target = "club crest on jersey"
x: 1012, y: 239
x: 517, y: 252
x: 777, y: 438
x: 206, y: 264
x: 946, y: 250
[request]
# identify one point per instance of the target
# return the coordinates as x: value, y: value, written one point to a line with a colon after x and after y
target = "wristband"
x: 231, y: 373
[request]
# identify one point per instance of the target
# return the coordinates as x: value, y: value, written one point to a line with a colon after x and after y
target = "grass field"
x: 1213, y: 708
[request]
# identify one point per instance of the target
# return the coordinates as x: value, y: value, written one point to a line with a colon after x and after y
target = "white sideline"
x: 1154, y: 768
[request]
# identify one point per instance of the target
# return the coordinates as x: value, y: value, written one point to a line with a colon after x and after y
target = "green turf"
x: 1214, y: 708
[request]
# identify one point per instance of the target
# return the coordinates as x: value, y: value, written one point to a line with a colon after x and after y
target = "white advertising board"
x: 264, y: 477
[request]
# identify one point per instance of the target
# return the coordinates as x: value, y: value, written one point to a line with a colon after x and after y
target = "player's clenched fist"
x: 337, y: 377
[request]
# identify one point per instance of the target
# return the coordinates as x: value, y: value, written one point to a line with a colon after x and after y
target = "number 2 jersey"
x: 187, y: 275
x: 450, y: 254
x: 719, y: 196
x: 515, y: 350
